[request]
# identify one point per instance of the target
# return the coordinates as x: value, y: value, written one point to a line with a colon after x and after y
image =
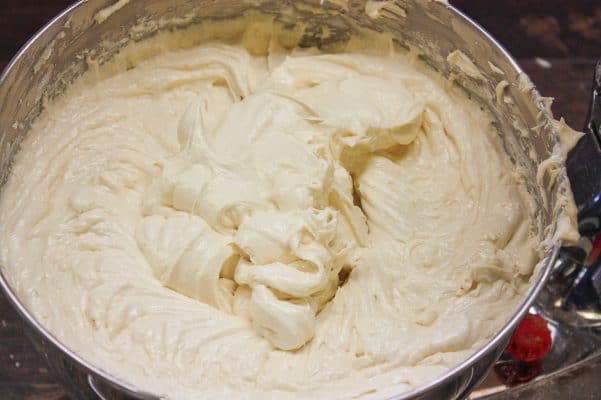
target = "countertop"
x: 566, y: 35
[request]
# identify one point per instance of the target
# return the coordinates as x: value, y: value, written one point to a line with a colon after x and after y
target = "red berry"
x: 531, y: 341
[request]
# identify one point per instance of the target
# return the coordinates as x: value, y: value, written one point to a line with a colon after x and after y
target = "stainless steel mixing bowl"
x: 57, y: 55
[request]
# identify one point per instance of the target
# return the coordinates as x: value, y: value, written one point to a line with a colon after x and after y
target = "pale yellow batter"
x: 222, y: 222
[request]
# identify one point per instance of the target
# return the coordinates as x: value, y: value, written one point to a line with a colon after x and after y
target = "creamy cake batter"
x: 237, y: 220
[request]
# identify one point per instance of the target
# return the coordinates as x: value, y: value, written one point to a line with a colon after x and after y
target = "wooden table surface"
x: 565, y: 33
